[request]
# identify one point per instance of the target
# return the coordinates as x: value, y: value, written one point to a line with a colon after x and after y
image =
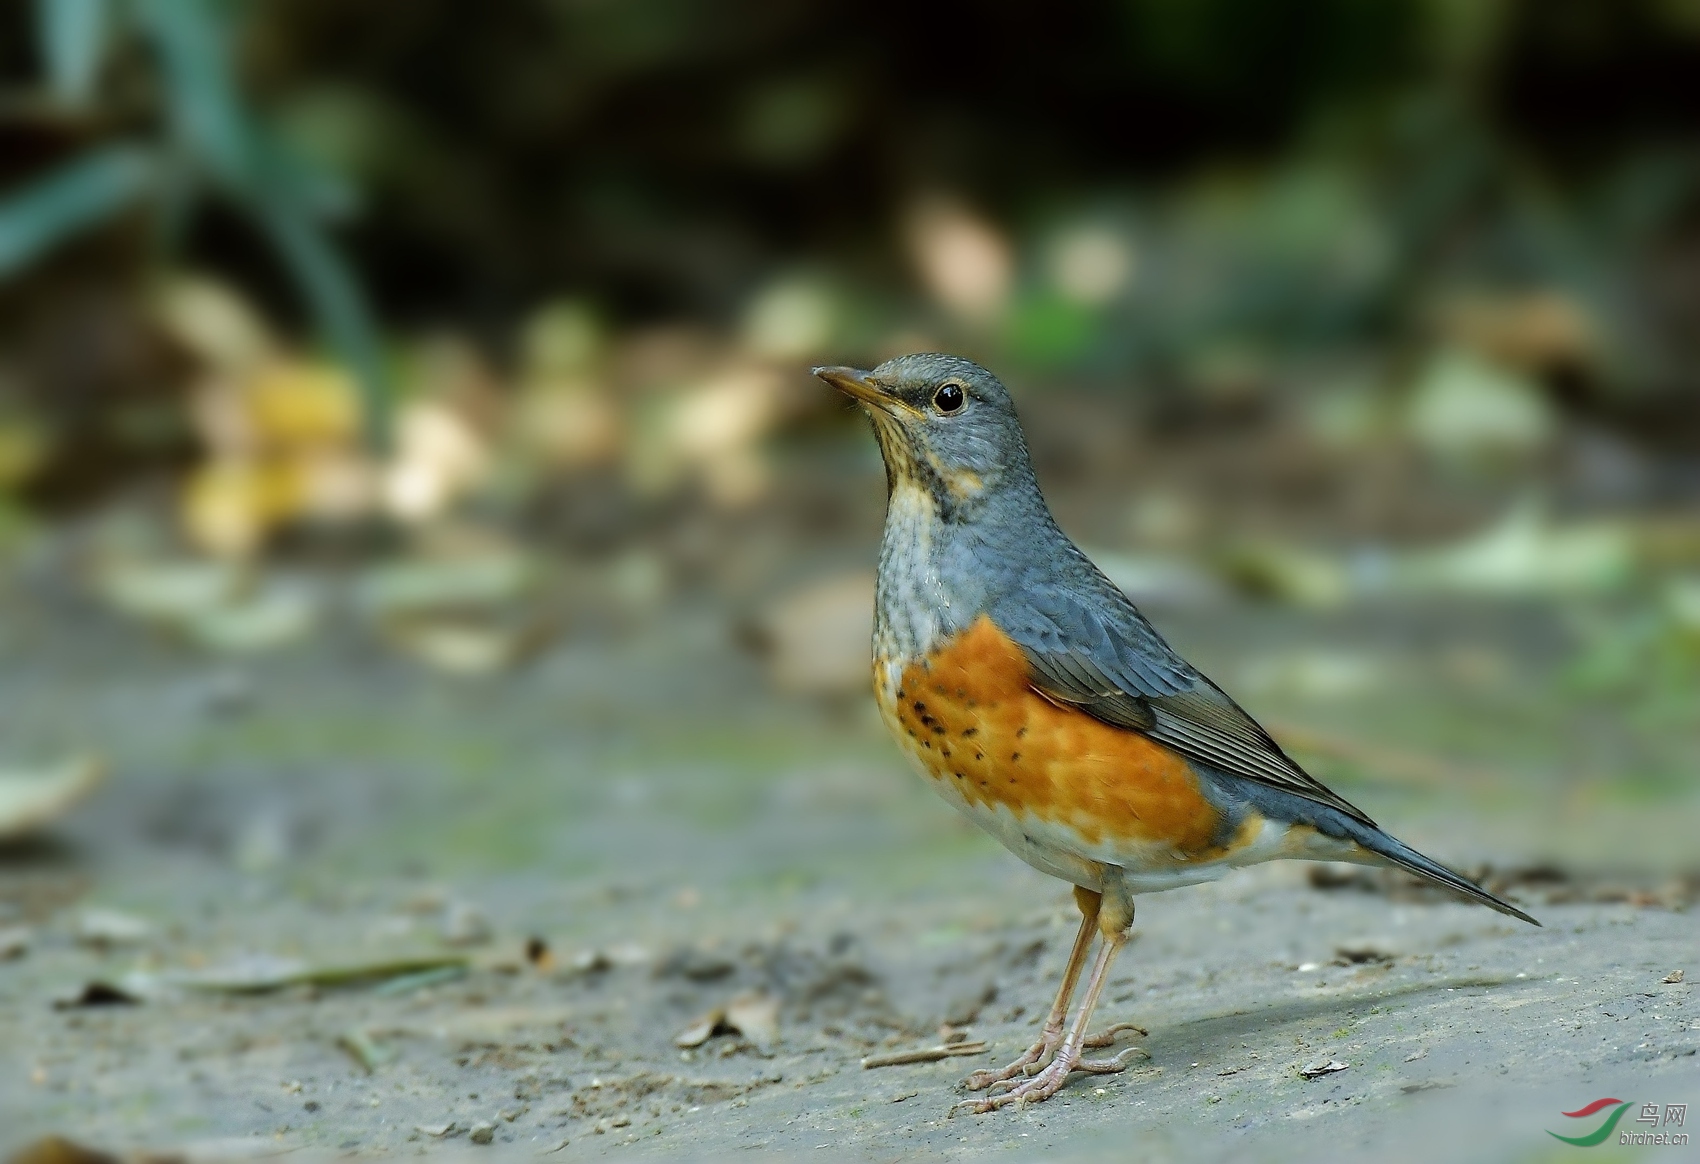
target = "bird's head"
x: 944, y: 424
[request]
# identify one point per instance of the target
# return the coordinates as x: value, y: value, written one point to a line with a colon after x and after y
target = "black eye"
x: 949, y: 398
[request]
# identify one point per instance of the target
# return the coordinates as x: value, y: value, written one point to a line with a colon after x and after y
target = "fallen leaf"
x: 488, y: 579
x: 260, y: 975
x: 755, y: 1016
x: 702, y: 1030
x: 104, y: 928
x: 217, y: 605
x: 408, y: 983
x: 435, y: 1131
x: 1673, y: 977
x: 364, y: 1049
x: 167, y: 591
x: 14, y: 942
x: 271, y: 616
x: 29, y: 800
x: 1322, y: 1067
x: 459, y: 645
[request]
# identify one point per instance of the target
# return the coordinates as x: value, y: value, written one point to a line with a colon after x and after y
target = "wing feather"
x: 1096, y: 652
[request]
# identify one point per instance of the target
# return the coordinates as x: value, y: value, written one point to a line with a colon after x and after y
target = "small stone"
x: 482, y: 1133
x: 1674, y: 977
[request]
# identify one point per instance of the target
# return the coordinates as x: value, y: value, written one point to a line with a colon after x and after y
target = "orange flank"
x: 969, y: 714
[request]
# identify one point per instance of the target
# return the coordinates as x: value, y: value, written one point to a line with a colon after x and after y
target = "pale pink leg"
x: 1046, y: 1084
x: 1039, y: 1052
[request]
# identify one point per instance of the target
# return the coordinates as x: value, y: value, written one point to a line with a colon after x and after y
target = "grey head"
x: 947, y: 425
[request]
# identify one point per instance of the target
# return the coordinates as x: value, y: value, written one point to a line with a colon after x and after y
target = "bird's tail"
x: 1399, y: 853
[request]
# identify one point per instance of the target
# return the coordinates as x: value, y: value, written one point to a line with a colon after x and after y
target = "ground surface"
x: 678, y: 836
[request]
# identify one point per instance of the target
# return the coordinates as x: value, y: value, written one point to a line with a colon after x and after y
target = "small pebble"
x: 482, y: 1133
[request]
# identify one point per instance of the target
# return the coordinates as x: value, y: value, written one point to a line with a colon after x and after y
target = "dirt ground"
x: 535, y: 884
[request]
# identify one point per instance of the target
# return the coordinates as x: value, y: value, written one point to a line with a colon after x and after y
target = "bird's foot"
x: 1030, y: 1061
x: 1046, y: 1083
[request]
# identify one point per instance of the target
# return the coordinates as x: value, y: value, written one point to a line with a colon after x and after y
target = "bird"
x: 1033, y: 695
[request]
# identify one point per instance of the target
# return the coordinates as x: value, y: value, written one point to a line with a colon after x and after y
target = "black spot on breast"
x: 1021, y: 733
x: 1014, y: 756
x: 970, y: 732
x: 919, y: 706
x: 977, y: 755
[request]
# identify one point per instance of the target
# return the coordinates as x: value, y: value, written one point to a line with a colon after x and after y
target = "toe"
x: 1107, y: 1037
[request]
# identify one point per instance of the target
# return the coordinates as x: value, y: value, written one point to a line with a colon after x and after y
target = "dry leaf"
x: 756, y: 1017
x: 29, y: 800
x: 14, y: 942
x: 109, y: 927
x: 364, y: 1049
x: 702, y: 1030
x: 1322, y: 1067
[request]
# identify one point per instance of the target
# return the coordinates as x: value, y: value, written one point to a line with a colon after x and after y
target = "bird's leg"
x: 1049, y: 1081
x: 1035, y: 1056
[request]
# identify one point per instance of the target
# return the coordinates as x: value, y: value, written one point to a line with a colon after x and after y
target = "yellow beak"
x: 855, y: 383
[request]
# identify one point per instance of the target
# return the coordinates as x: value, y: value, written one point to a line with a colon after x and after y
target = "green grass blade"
x: 338, y: 306
x: 193, y: 45
x: 72, y: 37
x: 80, y: 194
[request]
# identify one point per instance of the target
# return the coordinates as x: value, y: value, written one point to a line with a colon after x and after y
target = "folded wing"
x: 1095, y: 651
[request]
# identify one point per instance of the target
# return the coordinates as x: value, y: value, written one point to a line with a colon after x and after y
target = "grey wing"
x: 1095, y: 651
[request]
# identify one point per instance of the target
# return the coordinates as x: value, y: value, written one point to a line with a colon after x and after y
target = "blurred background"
x: 409, y: 467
